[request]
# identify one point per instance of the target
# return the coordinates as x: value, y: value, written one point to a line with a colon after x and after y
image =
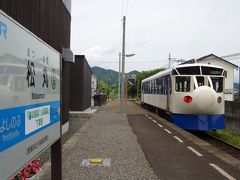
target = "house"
x: 93, y: 89
x: 226, y: 65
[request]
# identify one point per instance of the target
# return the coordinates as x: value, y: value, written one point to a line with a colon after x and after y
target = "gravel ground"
x: 74, y: 125
x: 107, y: 135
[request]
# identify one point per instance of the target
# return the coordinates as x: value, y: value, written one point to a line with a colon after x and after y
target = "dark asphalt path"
x: 174, y: 157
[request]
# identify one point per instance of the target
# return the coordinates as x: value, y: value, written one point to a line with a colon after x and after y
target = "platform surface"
x: 133, y: 145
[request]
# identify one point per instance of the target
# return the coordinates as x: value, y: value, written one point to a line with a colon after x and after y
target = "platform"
x: 140, y: 145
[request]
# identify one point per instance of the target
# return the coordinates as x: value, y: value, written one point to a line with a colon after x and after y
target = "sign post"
x: 30, y: 96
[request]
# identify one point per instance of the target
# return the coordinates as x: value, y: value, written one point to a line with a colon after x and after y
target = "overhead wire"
x: 127, y: 7
x: 123, y: 7
x: 231, y: 55
x: 232, y: 58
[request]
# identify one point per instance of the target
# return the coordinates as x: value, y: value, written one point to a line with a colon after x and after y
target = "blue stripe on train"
x: 199, y: 122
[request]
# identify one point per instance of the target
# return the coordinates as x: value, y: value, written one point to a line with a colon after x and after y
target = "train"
x: 191, y: 94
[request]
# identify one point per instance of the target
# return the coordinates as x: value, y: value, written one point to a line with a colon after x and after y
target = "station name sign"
x: 30, y: 96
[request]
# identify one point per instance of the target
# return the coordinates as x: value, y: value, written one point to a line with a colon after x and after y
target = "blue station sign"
x: 30, y: 96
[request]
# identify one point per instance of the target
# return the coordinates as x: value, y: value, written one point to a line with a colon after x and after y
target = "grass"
x: 228, y: 135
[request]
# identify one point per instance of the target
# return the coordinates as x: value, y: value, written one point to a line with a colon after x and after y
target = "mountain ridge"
x: 109, y: 75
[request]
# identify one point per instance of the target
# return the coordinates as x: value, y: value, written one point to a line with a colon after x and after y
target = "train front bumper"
x: 199, y: 122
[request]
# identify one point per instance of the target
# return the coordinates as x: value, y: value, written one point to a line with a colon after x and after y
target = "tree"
x: 103, y: 87
x: 136, y: 90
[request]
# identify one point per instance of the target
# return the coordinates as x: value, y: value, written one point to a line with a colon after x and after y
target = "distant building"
x: 229, y: 72
x: 93, y: 88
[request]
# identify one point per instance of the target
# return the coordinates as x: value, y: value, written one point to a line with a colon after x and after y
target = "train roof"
x: 161, y: 73
x: 168, y: 71
x: 197, y: 64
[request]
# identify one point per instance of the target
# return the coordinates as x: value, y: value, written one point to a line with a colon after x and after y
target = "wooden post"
x: 56, y: 160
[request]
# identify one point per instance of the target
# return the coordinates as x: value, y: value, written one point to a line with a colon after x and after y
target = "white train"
x: 192, y: 94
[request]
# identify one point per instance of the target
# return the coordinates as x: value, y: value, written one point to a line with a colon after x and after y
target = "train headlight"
x: 219, y: 99
x: 187, y: 99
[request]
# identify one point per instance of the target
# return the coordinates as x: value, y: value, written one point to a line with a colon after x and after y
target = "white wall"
x: 93, y: 88
x: 229, y: 96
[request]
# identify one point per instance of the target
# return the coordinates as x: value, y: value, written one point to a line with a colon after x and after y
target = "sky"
x: 186, y: 29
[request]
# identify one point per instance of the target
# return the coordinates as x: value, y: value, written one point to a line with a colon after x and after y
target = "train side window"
x: 158, y: 85
x: 148, y: 85
x: 217, y: 83
x: 149, y: 90
x: 144, y: 88
x: 182, y: 84
x: 165, y: 85
x: 154, y: 87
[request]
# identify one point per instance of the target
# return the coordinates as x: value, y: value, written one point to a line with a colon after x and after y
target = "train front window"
x: 212, y: 71
x: 182, y: 84
x: 193, y: 70
x: 200, y: 80
x: 217, y: 83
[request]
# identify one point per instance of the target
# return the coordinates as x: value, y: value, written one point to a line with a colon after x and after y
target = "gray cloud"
x: 186, y: 29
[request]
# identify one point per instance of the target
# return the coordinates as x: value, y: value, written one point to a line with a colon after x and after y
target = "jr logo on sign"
x: 3, y: 30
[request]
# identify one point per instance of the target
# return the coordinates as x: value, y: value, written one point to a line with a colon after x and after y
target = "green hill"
x: 108, y: 75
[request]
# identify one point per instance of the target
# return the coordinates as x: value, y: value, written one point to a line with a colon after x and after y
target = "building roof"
x: 204, y: 57
x: 83, y: 58
x: 191, y: 61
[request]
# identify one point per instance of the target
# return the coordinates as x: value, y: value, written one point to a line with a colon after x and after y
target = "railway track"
x: 213, y: 140
x: 219, y: 143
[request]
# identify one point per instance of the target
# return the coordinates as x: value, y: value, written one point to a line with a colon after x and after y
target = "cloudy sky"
x: 154, y: 28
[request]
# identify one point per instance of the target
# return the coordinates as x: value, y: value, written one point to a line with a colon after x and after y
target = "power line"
x: 123, y: 7
x: 231, y: 55
x: 230, y: 58
x: 139, y: 62
x: 126, y: 62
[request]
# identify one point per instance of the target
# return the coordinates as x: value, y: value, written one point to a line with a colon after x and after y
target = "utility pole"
x: 123, y: 66
x: 119, y: 77
x: 126, y: 92
x: 169, y: 60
